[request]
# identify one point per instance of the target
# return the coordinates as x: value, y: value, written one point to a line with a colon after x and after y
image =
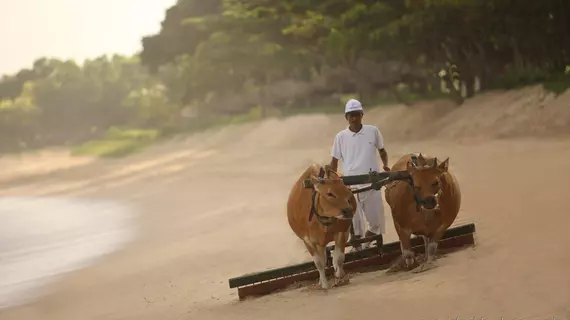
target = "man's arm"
x: 382, y: 150
x: 335, y: 153
x: 334, y: 164
x: 384, y: 157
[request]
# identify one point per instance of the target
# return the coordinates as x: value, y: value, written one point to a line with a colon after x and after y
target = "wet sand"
x: 41, y: 239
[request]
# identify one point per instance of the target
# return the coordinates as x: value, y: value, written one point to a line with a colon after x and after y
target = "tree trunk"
x: 365, y: 90
x: 468, y: 77
x: 455, y: 92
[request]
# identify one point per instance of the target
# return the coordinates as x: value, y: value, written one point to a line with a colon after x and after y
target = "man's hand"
x: 384, y: 157
x: 334, y: 164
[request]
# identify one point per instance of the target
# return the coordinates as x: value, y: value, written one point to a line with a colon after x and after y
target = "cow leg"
x: 407, y: 260
x: 319, y: 255
x: 338, y: 258
x: 338, y: 254
x: 431, y: 249
x: 320, y: 258
x: 434, y: 241
x: 426, y: 245
x: 406, y: 246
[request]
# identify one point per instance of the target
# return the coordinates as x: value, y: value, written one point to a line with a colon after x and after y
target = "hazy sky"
x: 78, y: 29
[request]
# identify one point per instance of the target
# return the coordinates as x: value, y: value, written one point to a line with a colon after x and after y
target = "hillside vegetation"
x: 227, y: 61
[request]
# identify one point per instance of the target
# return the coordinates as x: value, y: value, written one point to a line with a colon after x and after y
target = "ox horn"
x: 317, y: 180
x: 444, y: 166
x: 329, y: 170
x: 422, y: 160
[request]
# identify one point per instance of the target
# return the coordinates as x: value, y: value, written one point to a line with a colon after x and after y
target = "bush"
x: 553, y: 81
x: 118, y: 143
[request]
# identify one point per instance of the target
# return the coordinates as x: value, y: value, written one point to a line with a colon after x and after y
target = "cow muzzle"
x: 429, y: 203
x: 346, y: 214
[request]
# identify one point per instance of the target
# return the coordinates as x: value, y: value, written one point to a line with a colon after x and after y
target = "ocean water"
x: 41, y: 239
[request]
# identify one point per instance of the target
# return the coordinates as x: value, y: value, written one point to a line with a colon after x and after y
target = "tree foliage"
x: 62, y: 102
x: 227, y: 56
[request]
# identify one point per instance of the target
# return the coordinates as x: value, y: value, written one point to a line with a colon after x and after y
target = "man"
x: 356, y: 146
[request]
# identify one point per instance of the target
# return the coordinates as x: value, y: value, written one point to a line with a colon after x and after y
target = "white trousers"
x: 369, y: 206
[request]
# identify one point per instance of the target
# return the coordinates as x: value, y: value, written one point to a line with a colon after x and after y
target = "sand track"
x: 212, y: 206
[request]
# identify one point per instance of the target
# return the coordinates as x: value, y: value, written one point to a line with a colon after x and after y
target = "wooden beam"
x: 351, y: 256
x: 378, y: 262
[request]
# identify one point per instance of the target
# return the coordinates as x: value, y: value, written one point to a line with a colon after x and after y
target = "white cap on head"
x: 353, y: 105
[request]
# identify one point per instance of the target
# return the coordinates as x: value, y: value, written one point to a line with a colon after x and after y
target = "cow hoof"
x: 342, y: 281
x: 325, y: 285
x: 424, y: 267
x: 410, y: 263
x: 397, y: 266
x: 420, y: 259
x: 319, y: 286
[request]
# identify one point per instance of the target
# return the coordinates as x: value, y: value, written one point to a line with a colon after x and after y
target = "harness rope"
x: 417, y: 198
x: 324, y: 220
x: 327, y: 221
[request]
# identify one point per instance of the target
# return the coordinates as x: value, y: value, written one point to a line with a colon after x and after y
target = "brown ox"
x: 426, y: 205
x: 320, y: 215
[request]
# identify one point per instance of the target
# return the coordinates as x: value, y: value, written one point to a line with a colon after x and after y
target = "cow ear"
x: 444, y: 166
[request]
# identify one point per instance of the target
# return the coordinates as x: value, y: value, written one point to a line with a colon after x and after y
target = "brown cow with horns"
x: 320, y: 215
x: 426, y: 205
